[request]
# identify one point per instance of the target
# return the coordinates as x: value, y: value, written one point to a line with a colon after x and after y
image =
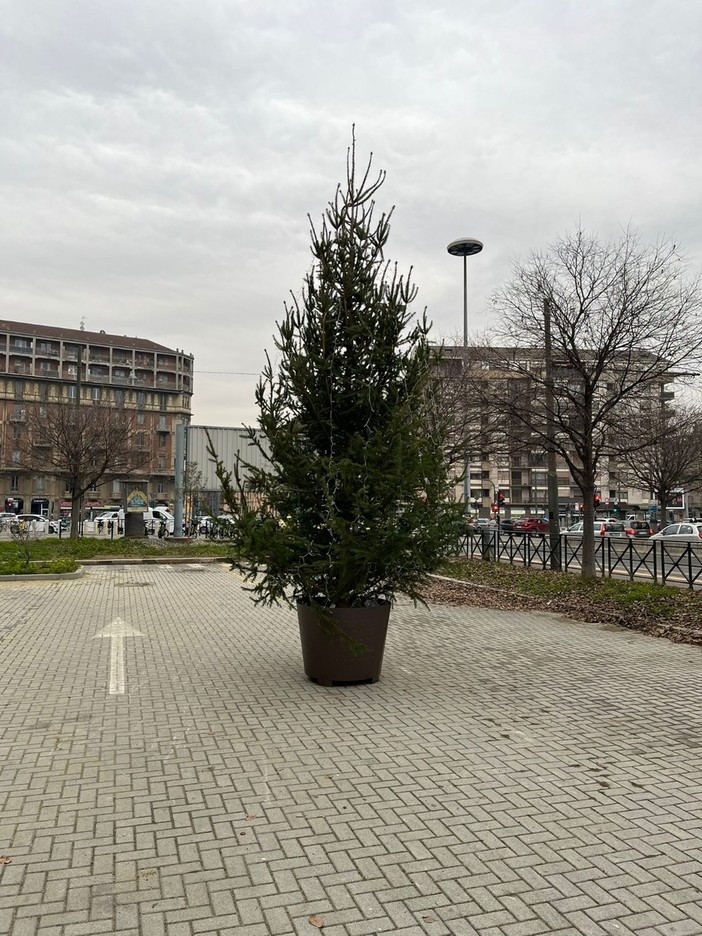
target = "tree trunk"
x: 75, y: 515
x: 587, y: 558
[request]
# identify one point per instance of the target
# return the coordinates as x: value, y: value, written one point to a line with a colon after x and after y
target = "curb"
x: 153, y: 560
x: 43, y: 577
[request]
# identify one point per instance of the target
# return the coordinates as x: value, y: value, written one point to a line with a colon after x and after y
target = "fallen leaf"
x: 4, y: 859
x: 429, y: 919
x: 252, y: 817
x: 316, y: 921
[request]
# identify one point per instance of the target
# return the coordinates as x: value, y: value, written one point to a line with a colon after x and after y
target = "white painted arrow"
x: 117, y: 631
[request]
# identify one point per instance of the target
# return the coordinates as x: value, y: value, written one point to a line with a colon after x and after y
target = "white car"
x: 35, y: 523
x: 680, y: 533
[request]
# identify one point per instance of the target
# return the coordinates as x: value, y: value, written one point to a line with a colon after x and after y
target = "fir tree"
x: 354, y: 504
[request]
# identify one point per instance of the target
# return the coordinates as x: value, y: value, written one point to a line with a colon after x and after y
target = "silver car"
x: 611, y: 528
x: 680, y: 533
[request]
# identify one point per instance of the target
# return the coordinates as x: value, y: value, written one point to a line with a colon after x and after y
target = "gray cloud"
x: 158, y: 160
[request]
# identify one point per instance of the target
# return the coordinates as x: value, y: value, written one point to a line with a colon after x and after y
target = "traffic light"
x: 597, y: 500
x: 500, y: 499
x: 495, y: 508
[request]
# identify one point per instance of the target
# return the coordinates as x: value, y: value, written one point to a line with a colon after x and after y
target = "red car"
x: 530, y: 525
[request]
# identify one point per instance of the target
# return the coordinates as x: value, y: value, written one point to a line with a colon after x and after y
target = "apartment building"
x: 520, y: 472
x: 40, y: 364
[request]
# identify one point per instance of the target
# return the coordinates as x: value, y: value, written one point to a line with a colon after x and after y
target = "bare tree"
x: 624, y: 320
x: 84, y: 445
x: 673, y: 457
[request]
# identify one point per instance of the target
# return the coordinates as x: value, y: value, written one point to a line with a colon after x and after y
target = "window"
x: 96, y: 394
x: 140, y: 418
x: 162, y: 464
x: 14, y: 483
x: 72, y: 392
x: 163, y: 401
x: 162, y: 436
x: 119, y: 398
x: 40, y: 484
x: 15, y: 457
x: 141, y: 398
x: 16, y: 434
x: 19, y: 389
x: 162, y: 425
x: 43, y: 391
x: 116, y: 487
x: 43, y: 410
x: 161, y: 487
x: 72, y: 370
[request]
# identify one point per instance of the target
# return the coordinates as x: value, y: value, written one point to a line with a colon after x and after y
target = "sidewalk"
x: 510, y: 775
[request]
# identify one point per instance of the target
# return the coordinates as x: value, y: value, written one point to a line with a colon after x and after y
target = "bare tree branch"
x: 84, y: 445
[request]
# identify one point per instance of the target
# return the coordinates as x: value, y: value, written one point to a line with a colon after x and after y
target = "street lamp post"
x: 465, y: 247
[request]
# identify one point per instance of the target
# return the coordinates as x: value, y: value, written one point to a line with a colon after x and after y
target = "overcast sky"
x: 158, y: 158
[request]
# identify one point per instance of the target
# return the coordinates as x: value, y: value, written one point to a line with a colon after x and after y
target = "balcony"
x: 20, y: 349
x: 166, y: 363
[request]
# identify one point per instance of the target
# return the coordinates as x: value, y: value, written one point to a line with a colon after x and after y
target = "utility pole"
x: 553, y: 521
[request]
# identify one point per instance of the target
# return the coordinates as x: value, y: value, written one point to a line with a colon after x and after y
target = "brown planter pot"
x: 330, y: 659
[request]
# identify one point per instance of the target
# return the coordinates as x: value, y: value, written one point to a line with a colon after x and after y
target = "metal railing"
x: 660, y: 561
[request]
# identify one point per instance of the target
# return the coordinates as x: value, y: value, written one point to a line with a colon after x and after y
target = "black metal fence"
x: 661, y: 561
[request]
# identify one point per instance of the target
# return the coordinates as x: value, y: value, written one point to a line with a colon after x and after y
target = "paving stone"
x: 511, y: 774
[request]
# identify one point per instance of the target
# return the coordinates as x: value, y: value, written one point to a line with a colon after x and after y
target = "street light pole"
x: 465, y: 247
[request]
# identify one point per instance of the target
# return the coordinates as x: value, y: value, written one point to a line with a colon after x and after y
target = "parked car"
x: 507, y: 525
x: 530, y: 526
x: 638, y: 529
x: 35, y: 523
x: 680, y: 533
x: 608, y: 527
x: 481, y: 523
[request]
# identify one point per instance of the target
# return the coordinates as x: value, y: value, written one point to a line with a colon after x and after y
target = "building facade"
x: 40, y: 364
x: 520, y: 472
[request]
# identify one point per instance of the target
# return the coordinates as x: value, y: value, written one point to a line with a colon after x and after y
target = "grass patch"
x: 57, y: 556
x: 16, y: 565
x: 618, y: 597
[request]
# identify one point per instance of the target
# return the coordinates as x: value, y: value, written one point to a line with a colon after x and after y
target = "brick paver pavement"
x: 510, y: 775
